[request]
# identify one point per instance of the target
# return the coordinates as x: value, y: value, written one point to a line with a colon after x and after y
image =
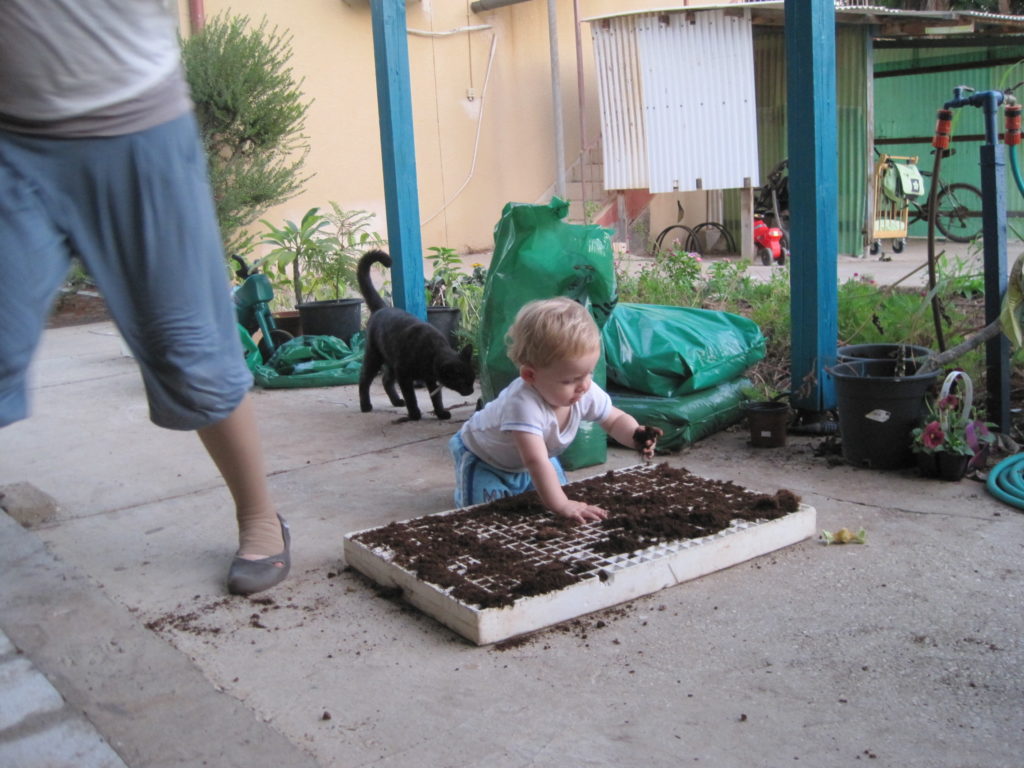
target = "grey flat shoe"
x: 246, y: 577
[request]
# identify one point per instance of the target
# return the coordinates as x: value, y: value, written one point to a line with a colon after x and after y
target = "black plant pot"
x: 879, y: 403
x: 446, y: 320
x: 948, y: 466
x: 334, y: 317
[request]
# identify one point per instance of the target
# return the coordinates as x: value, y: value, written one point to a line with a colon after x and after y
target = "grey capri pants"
x: 137, y: 210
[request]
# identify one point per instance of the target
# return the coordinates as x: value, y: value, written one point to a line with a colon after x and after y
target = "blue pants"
x: 477, y: 482
x: 138, y: 212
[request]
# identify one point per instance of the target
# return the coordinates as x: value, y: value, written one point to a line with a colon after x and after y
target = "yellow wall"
x: 462, y: 185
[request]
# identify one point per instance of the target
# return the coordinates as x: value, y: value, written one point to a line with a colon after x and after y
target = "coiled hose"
x: 1006, y: 480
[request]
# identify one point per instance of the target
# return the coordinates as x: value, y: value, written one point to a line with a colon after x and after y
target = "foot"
x: 249, y: 574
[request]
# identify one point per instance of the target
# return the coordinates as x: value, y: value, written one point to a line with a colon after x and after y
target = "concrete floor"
x: 903, y: 652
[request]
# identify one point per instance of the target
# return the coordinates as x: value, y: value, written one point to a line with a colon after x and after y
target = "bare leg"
x: 234, y: 445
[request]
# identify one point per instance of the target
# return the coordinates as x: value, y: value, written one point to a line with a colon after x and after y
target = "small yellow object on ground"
x: 844, y: 536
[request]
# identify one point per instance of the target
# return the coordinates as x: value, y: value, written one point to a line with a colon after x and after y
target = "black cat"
x: 408, y: 350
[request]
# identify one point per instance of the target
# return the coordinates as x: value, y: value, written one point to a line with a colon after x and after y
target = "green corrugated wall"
x: 851, y: 111
x: 906, y: 103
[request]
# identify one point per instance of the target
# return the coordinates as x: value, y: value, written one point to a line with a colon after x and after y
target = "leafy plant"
x: 251, y: 115
x: 948, y: 430
x: 295, y: 245
x: 448, y: 285
x: 322, y: 251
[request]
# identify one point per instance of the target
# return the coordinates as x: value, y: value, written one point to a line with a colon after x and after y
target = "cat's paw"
x: 365, y: 407
x: 443, y: 414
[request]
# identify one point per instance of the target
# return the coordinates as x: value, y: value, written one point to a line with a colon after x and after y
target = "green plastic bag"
x: 687, y: 418
x: 539, y: 256
x: 672, y: 351
x: 312, y: 361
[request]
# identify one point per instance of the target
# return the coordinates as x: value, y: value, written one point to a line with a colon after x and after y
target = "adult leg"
x: 137, y: 209
x: 234, y: 445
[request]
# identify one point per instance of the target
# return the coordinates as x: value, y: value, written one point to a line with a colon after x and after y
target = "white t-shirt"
x: 518, y: 408
x: 89, y: 67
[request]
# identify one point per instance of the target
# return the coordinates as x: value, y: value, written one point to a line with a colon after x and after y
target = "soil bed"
x: 492, y: 554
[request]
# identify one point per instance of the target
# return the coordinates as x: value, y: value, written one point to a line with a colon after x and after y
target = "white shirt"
x: 61, y: 60
x: 518, y: 408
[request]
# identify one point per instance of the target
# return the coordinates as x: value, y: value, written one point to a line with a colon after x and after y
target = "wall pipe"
x: 479, y: 6
x: 556, y: 101
x: 196, y: 15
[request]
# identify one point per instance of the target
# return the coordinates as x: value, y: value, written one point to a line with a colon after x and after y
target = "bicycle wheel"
x: 958, y: 212
x: 711, y: 239
x: 673, y: 238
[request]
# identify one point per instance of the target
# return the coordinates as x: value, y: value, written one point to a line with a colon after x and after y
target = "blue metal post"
x: 401, y: 196
x: 993, y: 220
x: 813, y: 199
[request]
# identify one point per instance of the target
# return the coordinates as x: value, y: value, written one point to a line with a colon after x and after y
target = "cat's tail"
x: 370, y: 296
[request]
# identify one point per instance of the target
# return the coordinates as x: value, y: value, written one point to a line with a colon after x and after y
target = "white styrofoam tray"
x: 607, y: 581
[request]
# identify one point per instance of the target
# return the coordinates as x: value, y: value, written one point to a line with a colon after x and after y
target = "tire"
x: 766, y: 256
x: 277, y: 338
x: 782, y: 257
x: 876, y: 246
x: 711, y: 239
x: 897, y: 245
x: 958, y: 212
x: 675, y: 237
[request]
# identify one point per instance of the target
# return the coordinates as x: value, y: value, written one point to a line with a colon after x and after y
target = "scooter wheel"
x: 876, y: 246
x: 766, y: 256
x: 782, y: 257
x: 897, y: 246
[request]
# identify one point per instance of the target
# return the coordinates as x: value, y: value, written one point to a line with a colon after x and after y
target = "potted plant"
x: 322, y: 251
x: 453, y: 295
x: 951, y: 436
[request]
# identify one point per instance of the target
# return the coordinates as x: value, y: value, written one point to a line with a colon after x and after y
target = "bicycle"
x: 958, y: 211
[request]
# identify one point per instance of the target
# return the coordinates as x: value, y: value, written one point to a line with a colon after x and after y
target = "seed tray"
x: 463, y: 588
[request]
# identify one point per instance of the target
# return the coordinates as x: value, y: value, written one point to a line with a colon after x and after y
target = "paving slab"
x: 905, y: 651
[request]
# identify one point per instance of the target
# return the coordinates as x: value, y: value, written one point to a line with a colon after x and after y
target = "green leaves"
x: 251, y: 116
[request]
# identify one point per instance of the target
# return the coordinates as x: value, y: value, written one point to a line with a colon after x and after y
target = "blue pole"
x: 398, y: 155
x: 813, y: 200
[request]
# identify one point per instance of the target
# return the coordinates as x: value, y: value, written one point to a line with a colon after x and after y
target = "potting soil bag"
x: 687, y: 418
x: 539, y: 256
x: 672, y: 351
x: 312, y: 361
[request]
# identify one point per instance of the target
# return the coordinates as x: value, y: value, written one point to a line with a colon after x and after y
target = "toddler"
x: 513, y: 444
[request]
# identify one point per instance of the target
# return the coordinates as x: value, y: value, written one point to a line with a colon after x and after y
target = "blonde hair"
x: 547, y: 330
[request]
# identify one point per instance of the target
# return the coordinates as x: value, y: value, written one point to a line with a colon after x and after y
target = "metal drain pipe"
x: 479, y: 6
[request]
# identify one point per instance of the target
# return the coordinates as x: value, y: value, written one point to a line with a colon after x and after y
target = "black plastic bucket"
x: 878, y: 409
x: 882, y: 352
x: 334, y: 317
x: 446, y: 320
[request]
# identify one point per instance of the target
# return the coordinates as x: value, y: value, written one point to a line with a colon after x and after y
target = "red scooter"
x: 769, y: 242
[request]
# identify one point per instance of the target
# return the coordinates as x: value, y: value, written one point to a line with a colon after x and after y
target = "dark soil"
x: 77, y: 308
x: 492, y: 554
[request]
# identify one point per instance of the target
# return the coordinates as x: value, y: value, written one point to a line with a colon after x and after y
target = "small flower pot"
x: 767, y: 420
x: 943, y: 465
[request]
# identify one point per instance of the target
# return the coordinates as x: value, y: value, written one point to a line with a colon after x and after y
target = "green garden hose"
x: 1006, y: 480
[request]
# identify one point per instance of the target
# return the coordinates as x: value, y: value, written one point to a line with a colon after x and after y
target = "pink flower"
x: 949, y: 403
x: 933, y: 436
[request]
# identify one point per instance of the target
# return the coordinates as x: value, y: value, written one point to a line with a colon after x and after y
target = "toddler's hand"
x: 645, y: 438
x: 580, y: 511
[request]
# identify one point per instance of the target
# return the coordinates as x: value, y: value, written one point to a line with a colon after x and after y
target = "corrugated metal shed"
x: 646, y: 143
x: 677, y: 100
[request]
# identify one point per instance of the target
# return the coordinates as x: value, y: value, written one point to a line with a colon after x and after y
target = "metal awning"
x: 891, y: 22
